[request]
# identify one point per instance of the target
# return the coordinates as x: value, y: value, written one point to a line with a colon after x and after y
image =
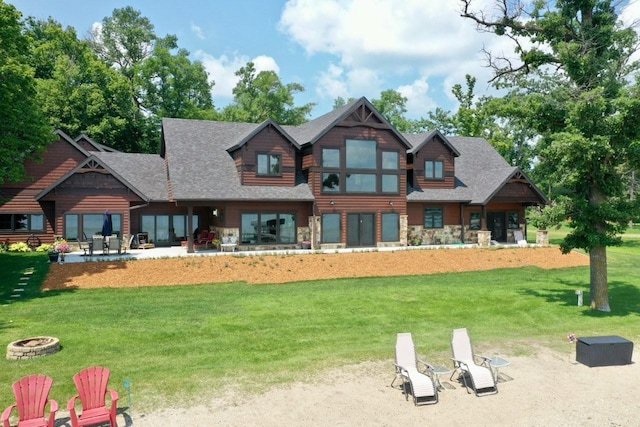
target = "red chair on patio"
x: 206, y: 238
x: 91, y: 384
x: 32, y: 394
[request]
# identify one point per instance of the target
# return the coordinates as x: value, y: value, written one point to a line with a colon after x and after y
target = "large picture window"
x: 433, y: 218
x: 77, y: 226
x: 361, y: 154
x: 22, y: 222
x: 361, y: 183
x: 361, y: 167
x: 269, y: 164
x: 390, y: 227
x: 433, y: 169
x: 331, y: 228
x: 267, y: 228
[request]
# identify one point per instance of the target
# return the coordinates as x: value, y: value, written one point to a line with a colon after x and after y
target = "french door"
x: 360, y: 229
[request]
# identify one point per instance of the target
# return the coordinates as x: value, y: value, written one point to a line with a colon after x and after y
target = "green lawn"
x: 182, y: 342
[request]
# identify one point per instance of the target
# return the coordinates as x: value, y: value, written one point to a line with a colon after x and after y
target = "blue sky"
x: 347, y: 48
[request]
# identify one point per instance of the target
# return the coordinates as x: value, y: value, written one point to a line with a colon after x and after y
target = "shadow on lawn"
x: 66, y: 421
x: 22, y: 278
x: 623, y: 297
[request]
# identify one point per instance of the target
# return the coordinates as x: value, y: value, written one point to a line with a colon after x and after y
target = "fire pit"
x: 28, y: 348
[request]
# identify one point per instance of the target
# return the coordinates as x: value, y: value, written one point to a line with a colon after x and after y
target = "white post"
x: 579, y: 293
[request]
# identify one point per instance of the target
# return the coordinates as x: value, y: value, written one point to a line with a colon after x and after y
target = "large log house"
x: 346, y: 179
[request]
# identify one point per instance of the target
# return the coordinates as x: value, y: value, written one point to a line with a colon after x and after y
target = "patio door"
x: 360, y: 229
x: 496, y: 223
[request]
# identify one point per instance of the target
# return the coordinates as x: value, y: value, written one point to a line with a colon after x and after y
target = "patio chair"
x: 202, y: 238
x: 519, y: 238
x: 85, y: 245
x: 91, y: 384
x: 465, y: 365
x: 97, y: 245
x: 32, y: 394
x: 113, y: 243
x: 423, y: 388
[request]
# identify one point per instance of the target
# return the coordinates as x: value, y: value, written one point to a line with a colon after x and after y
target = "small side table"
x: 441, y: 370
x: 497, y: 362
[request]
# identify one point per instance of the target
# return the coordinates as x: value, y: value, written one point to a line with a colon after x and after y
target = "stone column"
x: 484, y: 238
x: 404, y: 230
x: 542, y: 237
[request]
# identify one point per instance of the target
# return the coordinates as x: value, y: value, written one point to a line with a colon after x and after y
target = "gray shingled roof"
x: 143, y: 172
x: 308, y: 132
x: 480, y: 172
x: 200, y: 168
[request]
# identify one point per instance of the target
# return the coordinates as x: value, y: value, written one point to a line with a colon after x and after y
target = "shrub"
x: 19, y: 247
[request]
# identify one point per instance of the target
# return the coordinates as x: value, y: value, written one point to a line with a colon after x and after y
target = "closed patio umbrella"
x: 107, y: 225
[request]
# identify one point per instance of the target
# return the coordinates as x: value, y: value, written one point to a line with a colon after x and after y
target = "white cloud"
x: 387, y: 34
x: 388, y: 43
x: 222, y: 70
x: 195, y: 29
x: 336, y: 82
x: 630, y: 17
x: 419, y: 102
x: 331, y: 83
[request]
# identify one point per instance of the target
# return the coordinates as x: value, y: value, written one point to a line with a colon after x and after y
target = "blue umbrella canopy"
x: 107, y: 225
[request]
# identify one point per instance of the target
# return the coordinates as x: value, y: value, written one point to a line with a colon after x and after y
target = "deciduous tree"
x: 261, y: 96
x: 24, y: 131
x: 572, y: 82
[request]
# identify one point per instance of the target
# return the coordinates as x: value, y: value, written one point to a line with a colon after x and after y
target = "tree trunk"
x: 598, y: 270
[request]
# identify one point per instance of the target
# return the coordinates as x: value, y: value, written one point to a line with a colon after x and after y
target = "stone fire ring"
x: 29, y: 348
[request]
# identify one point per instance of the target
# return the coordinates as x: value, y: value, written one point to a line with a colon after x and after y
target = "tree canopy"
x: 24, y: 132
x: 574, y: 85
x: 259, y: 96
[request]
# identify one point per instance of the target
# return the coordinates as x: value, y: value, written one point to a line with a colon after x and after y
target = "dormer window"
x: 269, y: 164
x: 434, y: 169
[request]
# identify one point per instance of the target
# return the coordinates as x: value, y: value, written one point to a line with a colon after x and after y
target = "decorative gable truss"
x: 518, y: 188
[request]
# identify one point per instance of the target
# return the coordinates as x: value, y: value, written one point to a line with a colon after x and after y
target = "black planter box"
x: 604, y: 351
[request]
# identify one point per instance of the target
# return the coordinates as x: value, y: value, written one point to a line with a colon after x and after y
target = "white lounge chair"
x: 518, y: 237
x: 465, y: 364
x: 423, y: 388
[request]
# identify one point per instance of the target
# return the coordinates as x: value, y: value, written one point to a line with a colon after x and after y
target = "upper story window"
x: 360, y: 167
x: 433, y: 169
x: 269, y: 164
x: 330, y: 157
x: 390, y: 160
x: 361, y: 154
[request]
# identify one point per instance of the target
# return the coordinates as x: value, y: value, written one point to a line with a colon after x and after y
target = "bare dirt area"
x: 255, y: 269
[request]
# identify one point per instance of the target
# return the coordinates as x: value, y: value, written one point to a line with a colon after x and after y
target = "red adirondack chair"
x: 32, y: 394
x: 91, y: 384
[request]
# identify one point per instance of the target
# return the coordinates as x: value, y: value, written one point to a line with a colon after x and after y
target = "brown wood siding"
x: 434, y: 150
x: 267, y: 141
x: 58, y: 159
